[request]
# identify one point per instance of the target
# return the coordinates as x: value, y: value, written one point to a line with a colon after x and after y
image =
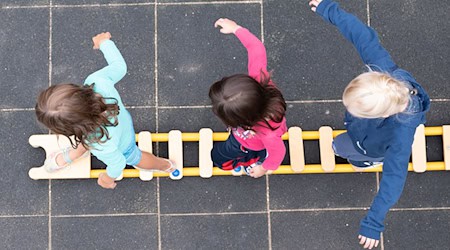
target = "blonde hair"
x: 375, y: 95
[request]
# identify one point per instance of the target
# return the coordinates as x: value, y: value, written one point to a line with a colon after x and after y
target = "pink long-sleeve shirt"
x: 262, y: 137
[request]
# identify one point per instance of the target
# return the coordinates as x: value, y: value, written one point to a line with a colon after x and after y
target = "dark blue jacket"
x: 390, y: 137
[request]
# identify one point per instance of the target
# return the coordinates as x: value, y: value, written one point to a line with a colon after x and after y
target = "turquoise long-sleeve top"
x: 122, y: 135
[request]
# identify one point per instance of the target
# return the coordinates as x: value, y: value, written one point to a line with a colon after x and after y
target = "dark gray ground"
x: 174, y: 54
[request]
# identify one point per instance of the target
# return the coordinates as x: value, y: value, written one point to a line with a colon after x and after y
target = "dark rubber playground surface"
x: 173, y: 54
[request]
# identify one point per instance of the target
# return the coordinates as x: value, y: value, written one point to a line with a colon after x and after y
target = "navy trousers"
x: 343, y: 147
x: 231, y: 154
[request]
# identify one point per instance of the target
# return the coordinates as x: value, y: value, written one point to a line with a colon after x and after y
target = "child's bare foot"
x: 165, y: 165
x: 169, y: 166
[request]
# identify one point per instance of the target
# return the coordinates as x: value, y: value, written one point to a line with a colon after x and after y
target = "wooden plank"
x: 176, y: 153
x: 446, y: 144
x: 78, y: 169
x: 145, y: 145
x: 204, y: 150
x: 419, y: 150
x: 326, y: 149
x: 296, y: 151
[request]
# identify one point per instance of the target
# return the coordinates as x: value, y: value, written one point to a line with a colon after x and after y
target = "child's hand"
x: 99, y: 38
x: 106, y: 182
x: 257, y: 171
x: 314, y: 4
x: 368, y: 242
x: 227, y: 26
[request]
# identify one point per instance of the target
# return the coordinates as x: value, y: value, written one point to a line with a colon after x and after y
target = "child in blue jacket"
x: 384, y: 107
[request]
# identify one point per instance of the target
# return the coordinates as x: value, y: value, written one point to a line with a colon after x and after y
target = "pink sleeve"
x: 257, y: 58
x: 276, y: 151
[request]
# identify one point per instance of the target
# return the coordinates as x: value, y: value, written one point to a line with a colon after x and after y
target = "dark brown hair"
x: 241, y: 101
x: 69, y: 109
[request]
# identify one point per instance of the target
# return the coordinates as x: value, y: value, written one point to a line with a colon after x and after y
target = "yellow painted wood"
x: 296, y: 151
x: 419, y: 150
x: 284, y: 169
x: 306, y: 135
x: 446, y: 145
x: 176, y: 151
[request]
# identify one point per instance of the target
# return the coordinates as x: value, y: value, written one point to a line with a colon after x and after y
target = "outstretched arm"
x: 257, y: 58
x: 116, y: 68
x: 395, y: 170
x: 364, y: 38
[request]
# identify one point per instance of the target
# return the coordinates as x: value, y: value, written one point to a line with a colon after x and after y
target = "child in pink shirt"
x: 254, y: 110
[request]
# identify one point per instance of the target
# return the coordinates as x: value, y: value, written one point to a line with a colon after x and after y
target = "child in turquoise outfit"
x: 95, y: 115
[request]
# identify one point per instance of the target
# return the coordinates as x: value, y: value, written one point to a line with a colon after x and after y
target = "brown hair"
x: 70, y: 109
x: 241, y: 101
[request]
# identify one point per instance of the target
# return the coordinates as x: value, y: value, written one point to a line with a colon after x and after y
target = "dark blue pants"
x: 231, y: 154
x: 343, y: 147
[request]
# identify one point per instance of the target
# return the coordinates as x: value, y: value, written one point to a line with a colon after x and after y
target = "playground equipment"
x: 81, y: 168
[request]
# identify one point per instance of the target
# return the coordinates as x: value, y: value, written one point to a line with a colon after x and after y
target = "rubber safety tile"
x: 118, y: 232
x: 189, y: 120
x: 214, y: 195
x: 24, y: 40
x: 417, y: 40
x: 304, y: 191
x: 75, y: 197
x: 311, y: 116
x: 15, y: 3
x: 201, y: 1
x: 20, y: 195
x: 192, y: 54
x: 81, y: 2
x: 144, y: 119
x: 438, y: 114
x: 132, y: 30
x: 429, y: 189
x: 417, y: 230
x: 309, y: 58
x: 240, y: 231
x: 316, y: 230
x: 24, y: 233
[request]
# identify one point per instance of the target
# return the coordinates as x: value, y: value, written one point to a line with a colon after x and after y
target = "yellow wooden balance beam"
x: 81, y: 169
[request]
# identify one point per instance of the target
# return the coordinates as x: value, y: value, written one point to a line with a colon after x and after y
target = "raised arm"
x: 364, y: 38
x: 257, y: 58
x: 395, y: 170
x: 116, y: 69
